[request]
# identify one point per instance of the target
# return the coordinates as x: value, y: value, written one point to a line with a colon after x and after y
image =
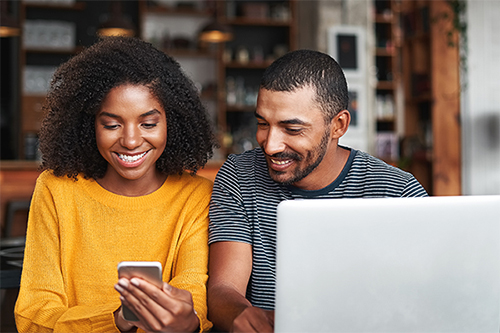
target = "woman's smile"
x: 131, y: 158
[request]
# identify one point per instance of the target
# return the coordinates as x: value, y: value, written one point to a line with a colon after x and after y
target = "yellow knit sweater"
x: 77, y: 234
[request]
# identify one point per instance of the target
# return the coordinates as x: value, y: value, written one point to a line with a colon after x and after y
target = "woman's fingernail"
x: 118, y: 288
x: 123, y: 283
x: 135, y: 282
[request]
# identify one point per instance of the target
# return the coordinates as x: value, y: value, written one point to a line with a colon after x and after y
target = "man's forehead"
x: 287, y: 107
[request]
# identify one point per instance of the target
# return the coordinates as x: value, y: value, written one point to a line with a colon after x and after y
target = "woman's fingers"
x: 145, y: 307
x: 158, y: 309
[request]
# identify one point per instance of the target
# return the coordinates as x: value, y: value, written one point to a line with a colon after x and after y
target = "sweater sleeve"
x: 42, y: 304
x: 190, y: 271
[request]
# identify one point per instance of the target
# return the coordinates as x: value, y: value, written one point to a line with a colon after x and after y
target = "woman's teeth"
x: 128, y: 158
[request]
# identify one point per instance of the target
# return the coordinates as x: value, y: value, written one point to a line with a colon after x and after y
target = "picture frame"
x: 346, y: 44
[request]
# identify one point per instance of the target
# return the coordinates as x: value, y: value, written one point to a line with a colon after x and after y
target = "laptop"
x: 388, y: 265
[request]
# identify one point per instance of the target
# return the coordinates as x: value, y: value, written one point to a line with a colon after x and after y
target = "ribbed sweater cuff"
x: 104, y: 323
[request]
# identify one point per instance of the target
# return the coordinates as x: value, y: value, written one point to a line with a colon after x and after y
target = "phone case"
x: 147, y: 270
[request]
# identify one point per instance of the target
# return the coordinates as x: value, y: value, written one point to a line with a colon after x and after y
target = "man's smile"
x: 280, y: 162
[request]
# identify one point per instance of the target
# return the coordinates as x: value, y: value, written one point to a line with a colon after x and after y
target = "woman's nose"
x: 131, y: 138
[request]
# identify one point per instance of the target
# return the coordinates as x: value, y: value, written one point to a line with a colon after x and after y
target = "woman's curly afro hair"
x: 67, y: 137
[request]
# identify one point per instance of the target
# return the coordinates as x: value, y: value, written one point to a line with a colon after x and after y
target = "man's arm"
x: 230, y: 266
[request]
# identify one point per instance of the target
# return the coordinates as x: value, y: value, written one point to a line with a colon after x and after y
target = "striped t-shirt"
x: 245, y: 199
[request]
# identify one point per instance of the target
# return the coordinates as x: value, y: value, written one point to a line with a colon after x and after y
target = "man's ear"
x: 340, y: 124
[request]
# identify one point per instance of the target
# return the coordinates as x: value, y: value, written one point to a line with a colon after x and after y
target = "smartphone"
x: 146, y: 270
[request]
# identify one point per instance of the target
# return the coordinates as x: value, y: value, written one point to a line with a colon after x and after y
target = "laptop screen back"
x: 389, y: 265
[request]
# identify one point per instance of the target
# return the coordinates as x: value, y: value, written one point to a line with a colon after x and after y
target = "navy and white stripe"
x: 245, y: 198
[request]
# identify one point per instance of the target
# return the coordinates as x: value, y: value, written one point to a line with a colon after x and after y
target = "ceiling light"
x: 9, y: 25
x: 216, y: 32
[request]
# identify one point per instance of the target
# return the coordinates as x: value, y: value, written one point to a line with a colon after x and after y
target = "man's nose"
x: 274, y: 142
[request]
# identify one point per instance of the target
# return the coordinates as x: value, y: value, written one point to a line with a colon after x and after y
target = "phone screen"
x: 146, y: 270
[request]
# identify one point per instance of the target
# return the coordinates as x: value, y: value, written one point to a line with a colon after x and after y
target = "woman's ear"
x: 340, y: 124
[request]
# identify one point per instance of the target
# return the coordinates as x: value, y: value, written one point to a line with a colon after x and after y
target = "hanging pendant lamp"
x: 9, y: 26
x: 215, y: 32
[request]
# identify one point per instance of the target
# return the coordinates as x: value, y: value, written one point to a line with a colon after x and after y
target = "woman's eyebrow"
x: 150, y: 113
x: 108, y: 114
x: 145, y: 114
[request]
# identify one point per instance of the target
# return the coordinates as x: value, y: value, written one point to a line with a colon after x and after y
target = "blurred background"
x: 421, y: 74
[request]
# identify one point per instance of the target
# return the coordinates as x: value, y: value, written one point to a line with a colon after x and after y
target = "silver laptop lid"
x: 389, y: 265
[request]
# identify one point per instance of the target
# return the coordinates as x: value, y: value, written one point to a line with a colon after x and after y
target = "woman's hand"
x: 159, y: 310
x: 122, y: 324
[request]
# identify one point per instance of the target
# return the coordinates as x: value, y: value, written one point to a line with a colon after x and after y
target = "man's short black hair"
x: 301, y: 68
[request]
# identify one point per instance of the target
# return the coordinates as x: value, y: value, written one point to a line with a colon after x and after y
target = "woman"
x: 124, y: 133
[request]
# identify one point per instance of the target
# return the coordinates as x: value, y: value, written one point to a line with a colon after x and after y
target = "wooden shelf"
x: 432, y: 116
x: 417, y: 37
x: 423, y: 98
x: 190, y: 53
x: 384, y: 52
x: 386, y: 119
x: 383, y: 18
x: 208, y: 95
x: 386, y: 56
x: 34, y: 95
x: 240, y: 108
x: 249, y: 65
x: 385, y: 85
x: 51, y: 6
x: 74, y: 50
x: 179, y: 11
x: 263, y: 32
x: 257, y: 22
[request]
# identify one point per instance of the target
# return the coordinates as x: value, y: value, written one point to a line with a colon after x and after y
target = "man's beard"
x: 298, y: 174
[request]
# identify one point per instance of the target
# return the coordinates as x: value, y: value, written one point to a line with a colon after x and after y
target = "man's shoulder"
x: 370, y: 165
x: 379, y: 177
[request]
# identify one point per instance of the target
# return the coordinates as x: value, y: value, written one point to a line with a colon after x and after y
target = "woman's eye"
x: 111, y: 126
x: 147, y: 126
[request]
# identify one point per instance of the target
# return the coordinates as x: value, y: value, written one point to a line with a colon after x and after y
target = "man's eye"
x: 294, y: 130
x: 261, y: 124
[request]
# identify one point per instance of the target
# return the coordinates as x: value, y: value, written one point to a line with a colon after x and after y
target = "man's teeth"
x: 128, y: 158
x: 280, y: 162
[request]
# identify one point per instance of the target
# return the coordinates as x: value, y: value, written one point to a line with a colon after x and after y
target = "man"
x: 301, y: 114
